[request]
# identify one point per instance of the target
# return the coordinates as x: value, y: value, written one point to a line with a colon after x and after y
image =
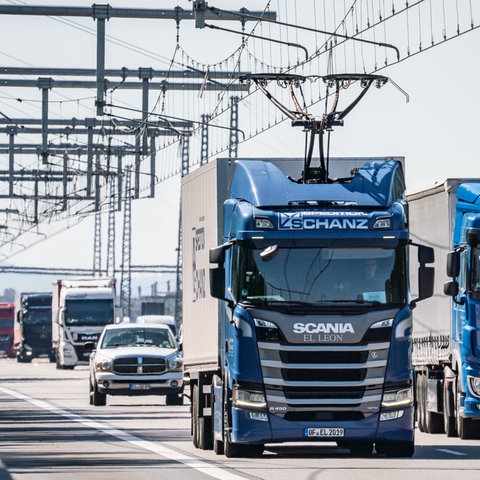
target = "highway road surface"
x: 48, y: 431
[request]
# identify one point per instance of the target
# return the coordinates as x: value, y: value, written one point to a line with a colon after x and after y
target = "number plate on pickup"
x: 329, y: 432
x: 139, y: 386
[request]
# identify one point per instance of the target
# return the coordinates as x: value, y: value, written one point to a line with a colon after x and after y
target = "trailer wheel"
x: 420, y: 402
x: 448, y: 409
x: 202, y: 426
x: 195, y: 415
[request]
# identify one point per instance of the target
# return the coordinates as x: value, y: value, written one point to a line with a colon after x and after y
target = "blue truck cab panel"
x: 466, y: 305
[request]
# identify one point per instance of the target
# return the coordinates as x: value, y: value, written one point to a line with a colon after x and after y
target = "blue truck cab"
x: 463, y: 265
x: 315, y: 314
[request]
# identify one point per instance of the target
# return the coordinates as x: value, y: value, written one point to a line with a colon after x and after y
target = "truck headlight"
x: 267, y: 331
x: 249, y: 398
x: 474, y: 385
x: 103, y: 365
x: 398, y: 398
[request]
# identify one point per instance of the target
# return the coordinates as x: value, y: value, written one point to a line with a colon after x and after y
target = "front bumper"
x: 134, y: 385
x: 274, y: 429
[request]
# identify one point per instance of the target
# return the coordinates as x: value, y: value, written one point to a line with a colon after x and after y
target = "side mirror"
x: 426, y: 275
x: 425, y: 254
x: 19, y: 317
x: 472, y: 237
x: 217, y: 283
x: 426, y: 279
x: 451, y: 288
x: 217, y: 254
x: 453, y: 264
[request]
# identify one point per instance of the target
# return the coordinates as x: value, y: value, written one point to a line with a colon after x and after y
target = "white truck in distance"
x: 80, y: 310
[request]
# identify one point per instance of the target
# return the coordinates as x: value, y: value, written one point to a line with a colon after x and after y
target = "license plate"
x: 324, y: 432
x: 139, y: 386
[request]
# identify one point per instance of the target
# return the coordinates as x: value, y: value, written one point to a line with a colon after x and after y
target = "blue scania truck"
x: 446, y: 353
x: 297, y: 313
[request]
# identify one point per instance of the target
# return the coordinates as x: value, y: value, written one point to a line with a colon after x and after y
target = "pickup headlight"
x: 103, y: 365
x: 175, y: 363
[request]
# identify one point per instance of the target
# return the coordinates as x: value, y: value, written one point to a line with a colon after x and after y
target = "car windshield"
x: 309, y: 277
x: 122, y: 337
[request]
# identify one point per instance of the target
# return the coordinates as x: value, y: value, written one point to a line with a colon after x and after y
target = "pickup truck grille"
x: 139, y: 365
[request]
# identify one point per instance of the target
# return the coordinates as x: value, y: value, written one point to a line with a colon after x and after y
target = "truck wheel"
x: 434, y: 422
x: 396, y: 449
x: 99, y: 399
x: 195, y: 416
x: 217, y: 444
x: 448, y: 408
x: 467, y: 428
x: 230, y: 449
x: 360, y: 448
x: 420, y: 402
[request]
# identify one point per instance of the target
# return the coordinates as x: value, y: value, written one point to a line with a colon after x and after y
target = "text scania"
x: 323, y: 332
x: 299, y: 222
x: 323, y: 328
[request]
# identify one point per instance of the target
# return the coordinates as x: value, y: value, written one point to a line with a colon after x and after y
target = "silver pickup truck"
x: 132, y: 359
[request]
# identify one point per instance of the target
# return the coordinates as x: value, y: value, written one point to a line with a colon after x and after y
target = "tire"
x: 235, y: 450
x: 195, y: 416
x: 205, y: 433
x: 448, y: 408
x: 22, y: 359
x: 217, y: 444
x: 98, y: 399
x: 396, y: 449
x: 360, y: 448
x: 434, y: 422
x: 231, y: 450
x: 420, y: 402
x: 467, y: 428
x: 90, y: 392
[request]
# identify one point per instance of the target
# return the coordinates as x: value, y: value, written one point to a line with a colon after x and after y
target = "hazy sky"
x: 437, y: 131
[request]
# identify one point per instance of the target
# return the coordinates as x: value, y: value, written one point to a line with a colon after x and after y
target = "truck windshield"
x: 84, y: 313
x: 475, y: 282
x: 6, y: 317
x: 316, y: 276
x: 38, y: 317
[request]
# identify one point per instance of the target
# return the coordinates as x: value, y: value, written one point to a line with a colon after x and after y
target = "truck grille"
x: 323, y: 382
x: 139, y: 365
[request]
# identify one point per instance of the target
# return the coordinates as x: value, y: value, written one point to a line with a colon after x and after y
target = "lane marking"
x: 201, y: 466
x: 452, y: 452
